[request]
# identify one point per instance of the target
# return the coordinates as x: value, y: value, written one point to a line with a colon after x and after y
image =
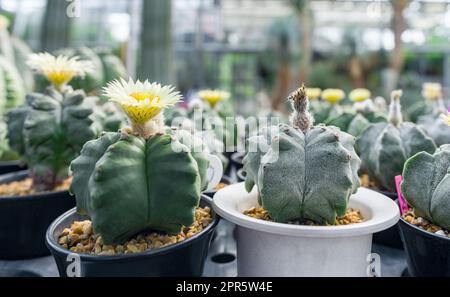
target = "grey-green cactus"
x: 49, y: 132
x: 384, y: 147
x: 6, y: 154
x: 355, y: 122
x: 433, y: 125
x: 302, y: 171
x: 426, y: 185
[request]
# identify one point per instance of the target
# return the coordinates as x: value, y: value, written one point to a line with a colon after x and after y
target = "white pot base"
x: 274, y: 249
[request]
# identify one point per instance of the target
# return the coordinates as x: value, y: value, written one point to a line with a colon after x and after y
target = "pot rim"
x: 225, y: 179
x: 11, y: 162
x: 424, y: 232
x: 383, y: 213
x: 53, y: 245
x: 22, y: 174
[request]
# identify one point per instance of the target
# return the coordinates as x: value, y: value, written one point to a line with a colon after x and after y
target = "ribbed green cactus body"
x: 12, y: 89
x: 384, y: 148
x: 126, y: 183
x: 321, y: 111
x: 50, y: 130
x: 426, y: 185
x: 436, y: 128
x: 311, y: 175
x: 355, y: 122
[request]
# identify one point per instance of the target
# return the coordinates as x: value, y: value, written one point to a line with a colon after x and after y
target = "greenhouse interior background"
x: 258, y: 50
x: 360, y: 91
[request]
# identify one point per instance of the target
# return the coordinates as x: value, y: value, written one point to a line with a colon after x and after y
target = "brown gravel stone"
x: 423, y: 224
x: 79, y: 238
x: 220, y: 186
x: 24, y: 188
x: 352, y: 216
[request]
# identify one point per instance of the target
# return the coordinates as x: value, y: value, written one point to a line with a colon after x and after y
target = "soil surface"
x: 80, y: 237
x: 352, y: 216
x: 24, y: 188
x: 426, y: 225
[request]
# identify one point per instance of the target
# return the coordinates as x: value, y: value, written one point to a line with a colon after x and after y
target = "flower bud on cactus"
x: 125, y: 180
x: 302, y: 171
x: 49, y: 132
x: 384, y: 147
x: 426, y: 185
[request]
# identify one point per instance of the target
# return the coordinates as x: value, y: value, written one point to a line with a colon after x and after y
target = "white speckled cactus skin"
x: 384, y: 147
x: 426, y: 185
x: 303, y: 171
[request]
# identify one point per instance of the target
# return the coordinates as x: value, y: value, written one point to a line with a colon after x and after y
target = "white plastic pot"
x: 274, y: 249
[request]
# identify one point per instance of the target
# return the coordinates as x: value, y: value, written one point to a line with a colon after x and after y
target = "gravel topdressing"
x: 423, y: 224
x: 24, y: 188
x: 352, y: 216
x: 80, y: 237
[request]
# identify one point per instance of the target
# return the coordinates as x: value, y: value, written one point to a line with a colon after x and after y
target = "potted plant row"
x: 138, y: 193
x: 48, y: 131
x: 300, y: 211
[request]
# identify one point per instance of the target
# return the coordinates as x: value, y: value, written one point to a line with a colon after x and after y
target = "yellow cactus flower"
x: 313, y: 93
x: 141, y: 101
x: 213, y: 96
x: 59, y: 70
x: 4, y: 23
x: 359, y: 95
x: 333, y: 96
x: 446, y: 118
x: 432, y: 91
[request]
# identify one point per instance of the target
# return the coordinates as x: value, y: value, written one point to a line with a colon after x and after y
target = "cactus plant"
x: 12, y: 88
x: 355, y: 121
x: 384, y: 147
x: 426, y: 185
x: 49, y: 130
x: 431, y: 123
x: 302, y: 171
x: 146, y: 155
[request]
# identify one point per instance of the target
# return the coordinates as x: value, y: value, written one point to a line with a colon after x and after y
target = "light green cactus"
x: 124, y: 180
x: 302, y: 171
x: 49, y: 132
x: 426, y: 185
x: 431, y: 123
x: 384, y: 147
x: 12, y: 88
x: 355, y: 122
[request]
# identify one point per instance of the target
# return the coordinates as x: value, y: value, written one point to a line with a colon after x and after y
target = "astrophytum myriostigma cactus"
x: 384, y: 147
x: 426, y: 185
x: 49, y: 132
x: 302, y: 171
x: 431, y: 123
x: 142, y: 177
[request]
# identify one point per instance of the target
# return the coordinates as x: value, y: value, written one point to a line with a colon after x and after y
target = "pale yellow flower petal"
x: 359, y: 95
x: 213, y: 96
x: 333, y: 96
x: 313, y: 93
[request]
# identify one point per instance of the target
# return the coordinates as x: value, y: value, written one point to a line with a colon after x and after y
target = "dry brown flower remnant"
x: 352, y: 216
x: 25, y: 187
x: 80, y: 237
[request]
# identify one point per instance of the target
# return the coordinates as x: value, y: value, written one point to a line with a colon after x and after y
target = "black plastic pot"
x: 391, y: 236
x: 11, y: 166
x: 225, y: 179
x: 25, y: 219
x: 427, y: 254
x: 237, y: 160
x: 241, y: 174
x: 186, y: 258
